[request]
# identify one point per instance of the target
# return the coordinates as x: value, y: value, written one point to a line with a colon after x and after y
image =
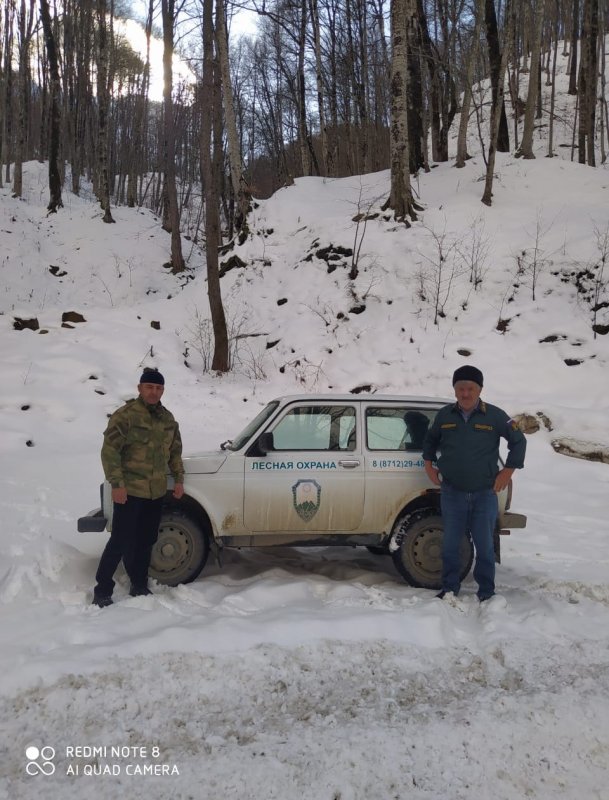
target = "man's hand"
x: 502, y: 479
x: 119, y: 495
x: 178, y: 490
x: 432, y: 473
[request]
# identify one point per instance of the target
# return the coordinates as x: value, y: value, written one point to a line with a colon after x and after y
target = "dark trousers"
x: 476, y: 513
x: 135, y: 529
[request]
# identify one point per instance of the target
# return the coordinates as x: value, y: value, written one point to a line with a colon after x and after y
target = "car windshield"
x: 251, y: 428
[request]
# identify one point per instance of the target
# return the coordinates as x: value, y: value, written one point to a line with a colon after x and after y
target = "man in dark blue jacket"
x: 466, y: 434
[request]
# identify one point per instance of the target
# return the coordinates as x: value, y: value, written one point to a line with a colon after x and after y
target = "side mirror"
x: 265, y: 442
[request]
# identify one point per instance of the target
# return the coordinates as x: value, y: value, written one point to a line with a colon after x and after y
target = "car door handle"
x: 349, y: 463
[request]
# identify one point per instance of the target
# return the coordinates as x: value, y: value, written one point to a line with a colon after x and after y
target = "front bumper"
x: 93, y: 522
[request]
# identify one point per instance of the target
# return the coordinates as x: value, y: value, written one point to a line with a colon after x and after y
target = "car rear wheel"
x: 181, y: 549
x: 418, y: 557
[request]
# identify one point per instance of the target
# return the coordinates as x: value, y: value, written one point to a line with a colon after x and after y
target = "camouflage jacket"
x: 140, y: 443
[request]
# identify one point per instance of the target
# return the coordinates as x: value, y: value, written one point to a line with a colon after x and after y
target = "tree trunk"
x: 361, y: 84
x: 55, y: 201
x: 103, y: 91
x: 171, y: 211
x: 141, y: 115
x: 239, y: 184
x: 495, y: 58
x: 7, y: 99
x: 588, y: 78
x: 526, y: 145
x: 2, y: 96
x: 462, y: 155
x: 415, y: 109
x: 604, y: 114
x: 25, y: 28
x: 80, y: 105
x: 305, y: 154
x: 209, y: 108
x: 400, y: 200
x: 333, y: 144
x: 553, y: 82
x: 573, y: 58
x: 487, y: 197
x: 326, y: 155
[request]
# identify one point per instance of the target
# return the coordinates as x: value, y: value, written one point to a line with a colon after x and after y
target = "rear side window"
x: 400, y: 428
x: 316, y: 428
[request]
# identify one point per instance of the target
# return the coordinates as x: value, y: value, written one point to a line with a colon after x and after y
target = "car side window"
x: 316, y: 428
x: 397, y: 428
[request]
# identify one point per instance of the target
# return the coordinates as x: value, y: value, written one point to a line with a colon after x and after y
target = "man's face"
x: 150, y: 393
x: 467, y: 394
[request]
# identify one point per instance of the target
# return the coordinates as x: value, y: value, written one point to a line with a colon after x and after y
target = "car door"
x: 313, y: 479
x: 393, y: 443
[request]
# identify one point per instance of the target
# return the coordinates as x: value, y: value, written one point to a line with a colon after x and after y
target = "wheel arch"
x: 191, y: 508
x: 428, y: 500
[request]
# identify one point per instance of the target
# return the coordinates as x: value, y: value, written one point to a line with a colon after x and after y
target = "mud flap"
x: 497, y: 546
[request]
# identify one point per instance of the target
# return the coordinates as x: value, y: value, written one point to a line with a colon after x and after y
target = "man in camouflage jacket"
x: 141, y: 441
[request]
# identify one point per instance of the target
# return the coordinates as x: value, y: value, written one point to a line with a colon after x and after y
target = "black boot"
x: 139, y: 591
x: 101, y: 600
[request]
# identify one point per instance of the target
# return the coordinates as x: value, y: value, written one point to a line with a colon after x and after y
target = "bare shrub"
x: 244, y: 358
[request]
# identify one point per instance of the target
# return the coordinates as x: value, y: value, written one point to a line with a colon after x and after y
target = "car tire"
x: 181, y: 550
x: 418, y: 556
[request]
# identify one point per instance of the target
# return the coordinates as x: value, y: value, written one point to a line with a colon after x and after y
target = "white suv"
x: 313, y: 470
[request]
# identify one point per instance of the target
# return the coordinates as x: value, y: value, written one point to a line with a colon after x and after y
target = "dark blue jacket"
x: 469, y: 451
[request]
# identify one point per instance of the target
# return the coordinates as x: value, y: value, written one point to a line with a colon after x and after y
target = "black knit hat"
x: 152, y: 376
x: 468, y: 373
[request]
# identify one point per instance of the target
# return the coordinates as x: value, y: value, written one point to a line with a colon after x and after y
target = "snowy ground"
x: 314, y: 674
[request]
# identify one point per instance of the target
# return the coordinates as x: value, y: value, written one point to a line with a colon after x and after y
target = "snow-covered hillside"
x: 318, y: 673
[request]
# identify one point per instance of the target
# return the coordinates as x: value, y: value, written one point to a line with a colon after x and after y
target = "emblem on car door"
x: 307, y: 496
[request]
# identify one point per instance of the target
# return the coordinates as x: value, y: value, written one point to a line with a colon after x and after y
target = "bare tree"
x: 239, y: 184
x: 573, y: 56
x: 403, y: 14
x: 141, y: 115
x: 497, y: 67
x: 103, y: 101
x: 526, y: 145
x: 550, y: 153
x: 25, y: 22
x: 7, y: 93
x: 171, y: 212
x: 209, y: 178
x: 327, y: 161
x: 55, y: 201
x: 2, y: 92
x: 462, y: 155
x: 588, y: 81
x: 497, y: 107
x: 305, y: 149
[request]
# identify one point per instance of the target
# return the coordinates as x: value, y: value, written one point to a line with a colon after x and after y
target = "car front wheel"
x: 181, y: 549
x: 418, y: 555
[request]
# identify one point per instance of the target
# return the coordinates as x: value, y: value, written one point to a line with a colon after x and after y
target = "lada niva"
x: 313, y: 470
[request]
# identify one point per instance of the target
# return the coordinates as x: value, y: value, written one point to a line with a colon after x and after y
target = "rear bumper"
x: 93, y: 522
x: 511, y: 520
